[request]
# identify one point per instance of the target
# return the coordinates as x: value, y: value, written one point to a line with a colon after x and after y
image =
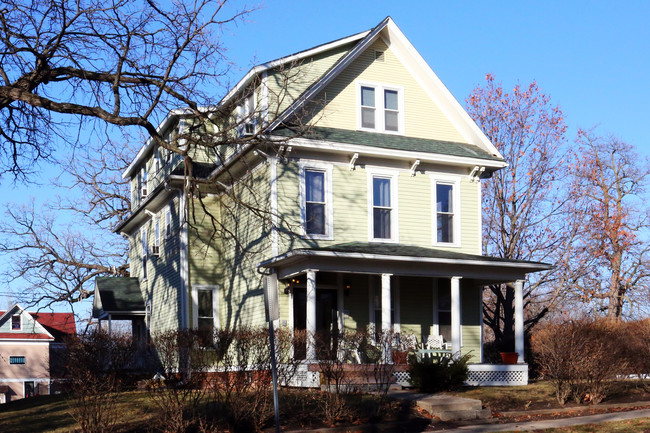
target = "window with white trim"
x: 206, y: 307
x: 144, y: 253
x: 144, y: 184
x: 316, y: 200
x: 446, y: 224
x: 156, y: 161
x: 168, y: 222
x: 16, y: 324
x: 246, y: 119
x: 381, y: 108
x: 147, y: 314
x: 155, y: 249
x: 382, y: 207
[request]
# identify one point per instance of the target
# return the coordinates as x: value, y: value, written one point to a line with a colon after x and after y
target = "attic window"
x: 379, y: 56
x: 380, y: 108
x: 15, y: 323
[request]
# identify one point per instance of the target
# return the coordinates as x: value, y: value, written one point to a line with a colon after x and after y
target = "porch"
x: 430, y: 298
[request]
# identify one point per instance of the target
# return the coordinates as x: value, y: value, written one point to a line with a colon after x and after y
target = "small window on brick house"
x: 17, y: 360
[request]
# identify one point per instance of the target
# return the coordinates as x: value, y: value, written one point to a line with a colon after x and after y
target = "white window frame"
x: 145, y: 253
x: 144, y: 183
x: 148, y: 310
x: 20, y: 322
x: 380, y: 126
x: 394, y: 215
x: 454, y: 181
x: 329, y: 205
x: 246, y: 116
x: 168, y: 221
x: 215, y: 304
x: 155, y: 251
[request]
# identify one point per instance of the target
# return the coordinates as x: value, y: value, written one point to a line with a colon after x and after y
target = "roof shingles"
x: 391, y: 141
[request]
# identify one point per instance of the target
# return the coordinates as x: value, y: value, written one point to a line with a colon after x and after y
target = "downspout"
x: 184, y: 301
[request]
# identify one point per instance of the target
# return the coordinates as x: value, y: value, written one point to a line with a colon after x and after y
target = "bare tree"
x: 58, y: 261
x: 119, y: 63
x: 610, y: 181
x: 524, y: 213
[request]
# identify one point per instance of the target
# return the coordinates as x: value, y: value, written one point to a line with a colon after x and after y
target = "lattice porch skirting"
x: 484, y: 375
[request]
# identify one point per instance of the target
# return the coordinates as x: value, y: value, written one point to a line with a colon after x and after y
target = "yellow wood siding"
x: 245, y: 212
x: 288, y: 82
x: 350, y: 209
x: 471, y: 303
x: 163, y: 282
x: 423, y: 117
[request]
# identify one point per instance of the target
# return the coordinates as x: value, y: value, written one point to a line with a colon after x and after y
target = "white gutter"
x: 395, y: 153
x: 335, y: 254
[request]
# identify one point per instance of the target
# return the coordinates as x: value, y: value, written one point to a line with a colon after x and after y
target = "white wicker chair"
x: 435, y: 342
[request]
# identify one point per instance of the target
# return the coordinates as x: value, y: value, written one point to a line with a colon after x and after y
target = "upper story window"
x: 383, y: 207
x: 16, y: 324
x: 168, y: 222
x: 155, y: 248
x: 143, y: 183
x: 316, y: 202
x: 246, y: 116
x: 446, y: 201
x: 144, y: 253
x: 381, y: 108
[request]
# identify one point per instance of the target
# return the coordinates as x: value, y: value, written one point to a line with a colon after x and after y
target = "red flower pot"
x: 509, y: 357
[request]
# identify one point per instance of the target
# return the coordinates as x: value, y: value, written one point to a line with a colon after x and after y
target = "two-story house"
x: 32, y: 350
x: 357, y: 200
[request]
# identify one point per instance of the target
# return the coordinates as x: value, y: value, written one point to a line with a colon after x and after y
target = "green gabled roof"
x: 391, y: 141
x: 117, y: 295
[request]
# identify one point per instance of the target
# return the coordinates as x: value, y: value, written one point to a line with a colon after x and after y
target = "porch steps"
x: 446, y: 407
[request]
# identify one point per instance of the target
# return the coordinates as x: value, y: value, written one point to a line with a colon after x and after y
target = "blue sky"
x: 591, y: 57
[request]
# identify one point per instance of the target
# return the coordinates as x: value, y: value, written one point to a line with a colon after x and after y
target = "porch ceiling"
x: 374, y: 258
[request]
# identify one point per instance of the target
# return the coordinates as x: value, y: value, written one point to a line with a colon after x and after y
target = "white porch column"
x: 455, y: 316
x: 340, y: 304
x: 311, y: 315
x: 385, y: 302
x: 519, y: 319
x: 385, y: 316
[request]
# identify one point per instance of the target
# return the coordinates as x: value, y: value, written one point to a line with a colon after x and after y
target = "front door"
x: 326, y: 322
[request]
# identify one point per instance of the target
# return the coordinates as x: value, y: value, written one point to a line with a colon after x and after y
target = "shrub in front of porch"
x: 438, y: 373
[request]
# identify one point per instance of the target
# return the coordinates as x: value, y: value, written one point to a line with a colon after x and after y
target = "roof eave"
x: 397, y: 153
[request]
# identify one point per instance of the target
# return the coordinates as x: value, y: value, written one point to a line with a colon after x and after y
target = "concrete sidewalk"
x: 551, y: 423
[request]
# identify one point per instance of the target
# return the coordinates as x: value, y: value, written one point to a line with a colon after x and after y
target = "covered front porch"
x: 426, y: 299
